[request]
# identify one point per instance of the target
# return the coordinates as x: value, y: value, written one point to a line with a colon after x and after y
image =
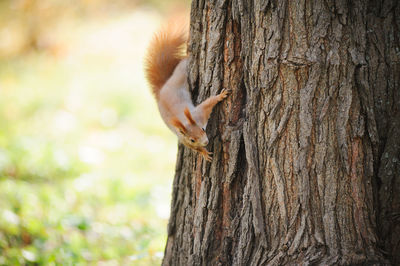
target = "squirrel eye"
x: 192, y: 140
x: 203, y: 129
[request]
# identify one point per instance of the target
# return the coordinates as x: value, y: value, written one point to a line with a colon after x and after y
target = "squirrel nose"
x: 206, y: 142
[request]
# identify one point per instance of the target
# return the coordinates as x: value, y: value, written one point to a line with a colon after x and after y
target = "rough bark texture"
x: 306, y: 149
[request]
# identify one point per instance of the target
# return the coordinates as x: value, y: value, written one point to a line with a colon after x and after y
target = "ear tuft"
x: 189, y: 116
x: 178, y: 124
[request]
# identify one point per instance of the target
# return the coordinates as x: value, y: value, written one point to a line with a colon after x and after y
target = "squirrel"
x: 166, y: 72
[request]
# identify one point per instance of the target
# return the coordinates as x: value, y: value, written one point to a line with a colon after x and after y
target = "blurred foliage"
x: 86, y: 163
x: 32, y: 24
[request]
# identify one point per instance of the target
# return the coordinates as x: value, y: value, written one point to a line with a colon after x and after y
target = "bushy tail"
x: 163, y: 54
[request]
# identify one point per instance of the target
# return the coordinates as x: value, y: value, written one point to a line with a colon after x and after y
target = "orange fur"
x: 178, y: 124
x: 189, y: 116
x: 163, y: 55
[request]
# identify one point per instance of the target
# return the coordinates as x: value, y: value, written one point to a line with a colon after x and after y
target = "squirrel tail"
x: 163, y: 55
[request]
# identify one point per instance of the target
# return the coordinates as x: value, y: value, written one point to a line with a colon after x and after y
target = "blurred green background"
x: 86, y: 164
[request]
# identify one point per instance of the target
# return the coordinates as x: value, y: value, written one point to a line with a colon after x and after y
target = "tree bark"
x: 306, y: 149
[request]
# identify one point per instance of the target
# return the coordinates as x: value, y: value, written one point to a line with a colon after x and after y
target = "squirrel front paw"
x: 224, y: 93
x: 206, y: 154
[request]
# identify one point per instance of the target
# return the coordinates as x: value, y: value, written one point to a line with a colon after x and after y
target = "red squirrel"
x: 166, y: 71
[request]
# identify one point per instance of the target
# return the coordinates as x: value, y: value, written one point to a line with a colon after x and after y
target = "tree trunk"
x: 306, y: 149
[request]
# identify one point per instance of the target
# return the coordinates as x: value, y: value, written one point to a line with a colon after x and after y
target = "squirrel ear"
x: 189, y: 116
x: 178, y: 124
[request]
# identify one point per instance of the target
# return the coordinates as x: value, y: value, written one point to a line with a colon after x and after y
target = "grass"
x: 86, y: 163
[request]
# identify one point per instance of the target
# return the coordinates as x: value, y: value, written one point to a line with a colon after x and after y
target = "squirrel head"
x: 191, y: 134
